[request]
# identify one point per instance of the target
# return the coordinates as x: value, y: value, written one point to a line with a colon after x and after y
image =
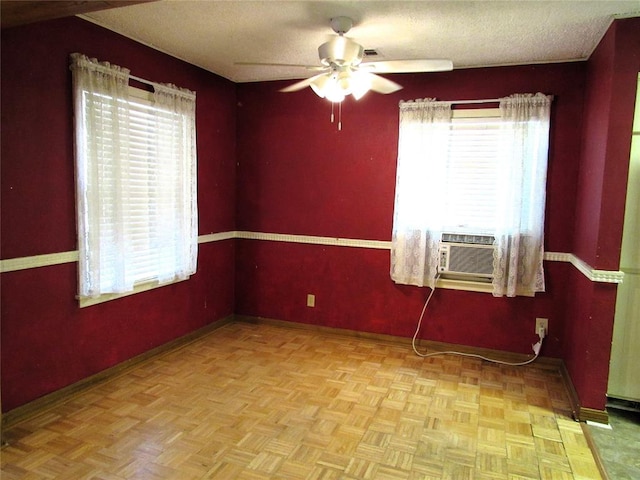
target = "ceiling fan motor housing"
x: 340, y: 51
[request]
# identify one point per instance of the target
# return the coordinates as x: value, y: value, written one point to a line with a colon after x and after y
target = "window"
x: 135, y: 181
x: 472, y: 172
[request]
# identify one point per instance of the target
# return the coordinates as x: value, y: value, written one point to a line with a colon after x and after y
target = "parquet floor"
x: 260, y: 402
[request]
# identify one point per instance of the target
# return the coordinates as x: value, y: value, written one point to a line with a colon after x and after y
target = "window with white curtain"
x: 135, y: 182
x: 473, y: 172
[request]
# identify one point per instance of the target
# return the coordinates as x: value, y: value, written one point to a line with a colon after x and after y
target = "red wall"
x: 612, y: 75
x: 298, y: 175
x: 47, y: 341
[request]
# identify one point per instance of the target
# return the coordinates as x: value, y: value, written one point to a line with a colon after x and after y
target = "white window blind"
x: 470, y: 198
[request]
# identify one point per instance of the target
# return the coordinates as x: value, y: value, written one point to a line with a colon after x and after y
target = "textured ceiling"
x: 215, y: 35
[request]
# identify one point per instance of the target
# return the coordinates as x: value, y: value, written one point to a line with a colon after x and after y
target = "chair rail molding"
x: 49, y: 259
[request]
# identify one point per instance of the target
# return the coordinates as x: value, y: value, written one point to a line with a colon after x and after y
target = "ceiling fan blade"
x: 383, y: 85
x: 301, y: 84
x: 259, y: 64
x: 408, y: 66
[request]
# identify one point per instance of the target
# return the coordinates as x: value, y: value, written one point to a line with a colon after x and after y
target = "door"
x: 624, y: 380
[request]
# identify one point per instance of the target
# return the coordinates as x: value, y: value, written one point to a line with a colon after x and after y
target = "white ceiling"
x: 216, y: 34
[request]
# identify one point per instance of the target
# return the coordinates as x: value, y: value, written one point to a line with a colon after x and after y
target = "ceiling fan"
x: 344, y: 73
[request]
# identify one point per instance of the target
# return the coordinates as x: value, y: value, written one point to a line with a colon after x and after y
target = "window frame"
x: 145, y: 97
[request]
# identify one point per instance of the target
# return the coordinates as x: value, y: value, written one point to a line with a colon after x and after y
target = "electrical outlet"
x: 311, y: 300
x: 542, y: 323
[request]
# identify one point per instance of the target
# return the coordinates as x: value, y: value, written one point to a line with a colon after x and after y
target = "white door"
x: 624, y: 369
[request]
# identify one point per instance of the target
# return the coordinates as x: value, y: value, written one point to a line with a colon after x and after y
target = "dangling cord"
x: 536, y: 347
x: 340, y: 116
x: 332, y: 117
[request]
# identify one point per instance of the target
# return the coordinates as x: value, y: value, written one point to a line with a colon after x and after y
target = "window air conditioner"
x: 466, y: 255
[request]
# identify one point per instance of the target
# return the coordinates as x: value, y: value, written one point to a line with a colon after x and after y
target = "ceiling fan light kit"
x: 340, y: 83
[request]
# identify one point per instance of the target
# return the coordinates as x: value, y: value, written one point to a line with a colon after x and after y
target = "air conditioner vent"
x: 370, y: 52
x: 466, y: 238
x: 466, y: 255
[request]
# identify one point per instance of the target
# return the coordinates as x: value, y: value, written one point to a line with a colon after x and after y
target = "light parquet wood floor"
x: 261, y: 402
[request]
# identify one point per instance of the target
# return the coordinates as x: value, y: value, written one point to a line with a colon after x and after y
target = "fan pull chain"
x: 333, y: 117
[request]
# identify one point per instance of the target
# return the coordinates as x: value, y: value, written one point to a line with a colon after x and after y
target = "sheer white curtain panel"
x: 101, y: 117
x: 176, y: 112
x: 518, y: 258
x: 418, y: 219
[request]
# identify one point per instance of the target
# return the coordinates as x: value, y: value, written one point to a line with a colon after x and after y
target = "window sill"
x: 143, y: 287
x: 473, y: 286
x: 466, y: 285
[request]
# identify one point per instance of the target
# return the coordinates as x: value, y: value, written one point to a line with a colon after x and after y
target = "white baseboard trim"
x: 36, y: 261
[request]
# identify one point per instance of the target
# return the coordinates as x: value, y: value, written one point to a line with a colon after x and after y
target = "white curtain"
x: 101, y: 123
x: 176, y: 202
x: 518, y: 268
x: 417, y: 224
x: 136, y: 181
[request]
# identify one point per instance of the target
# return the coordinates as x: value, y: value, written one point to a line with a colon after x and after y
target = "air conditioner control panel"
x: 443, y: 261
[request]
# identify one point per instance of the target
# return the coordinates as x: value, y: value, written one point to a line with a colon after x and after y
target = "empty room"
x: 319, y: 240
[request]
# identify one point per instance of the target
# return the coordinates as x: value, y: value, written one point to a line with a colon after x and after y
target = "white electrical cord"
x: 536, y: 347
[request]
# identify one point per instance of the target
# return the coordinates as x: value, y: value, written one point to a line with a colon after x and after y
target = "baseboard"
x: 580, y: 413
x: 593, y: 415
x: 320, y: 328
x: 573, y: 394
x: 62, y: 395
x: 432, y: 346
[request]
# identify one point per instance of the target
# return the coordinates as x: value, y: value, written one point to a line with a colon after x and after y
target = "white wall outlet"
x: 311, y: 300
x: 542, y: 323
